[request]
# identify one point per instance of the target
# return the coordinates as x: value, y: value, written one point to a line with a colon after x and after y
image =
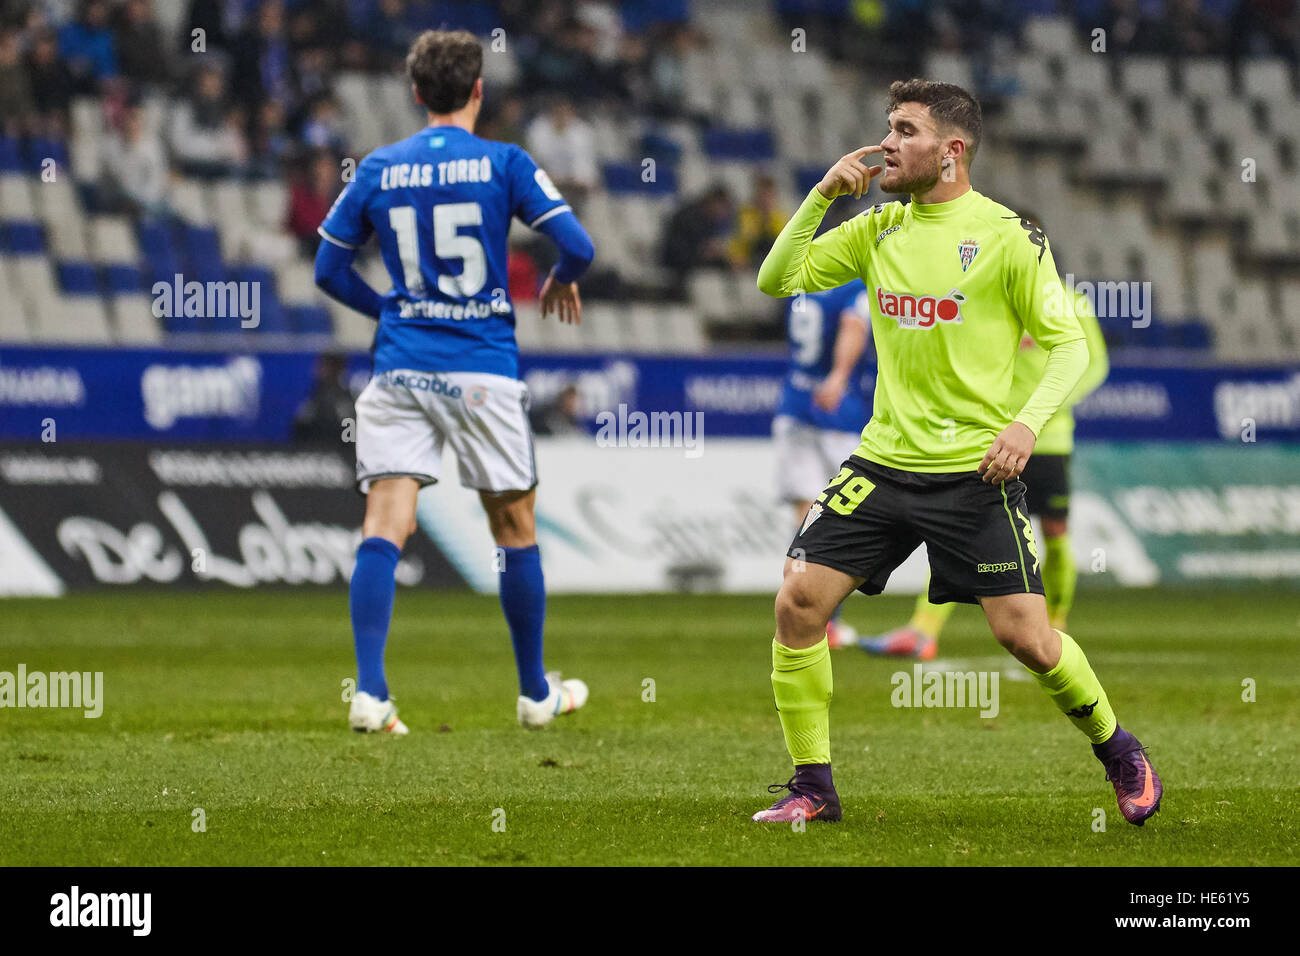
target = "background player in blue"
x: 440, y: 204
x: 819, y: 421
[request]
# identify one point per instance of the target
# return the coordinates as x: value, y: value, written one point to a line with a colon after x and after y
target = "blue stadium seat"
x: 122, y: 279
x: 161, y: 261
x: 753, y: 144
x: 22, y: 238
x: 626, y: 178
x: 10, y: 157
x: 1193, y: 335
x: 39, y: 150
x: 78, y: 278
x: 271, y: 314
x: 203, y: 250
x: 309, y: 319
x: 640, y: 15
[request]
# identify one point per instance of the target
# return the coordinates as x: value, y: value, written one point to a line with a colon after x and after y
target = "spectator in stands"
x: 270, y: 145
x: 563, y: 144
x: 667, y: 71
x: 387, y: 33
x: 504, y: 121
x: 311, y: 196
x: 138, y: 40
x: 758, y: 223
x: 1266, y: 28
x: 1187, y: 30
x: 206, y: 135
x: 523, y: 277
x: 215, y: 18
x: 135, y: 170
x: 16, y: 103
x: 323, y: 127
x: 559, y: 416
x: 320, y: 417
x: 52, y: 85
x: 86, y: 45
x: 263, y: 61
x: 1128, y: 28
x: 697, y: 232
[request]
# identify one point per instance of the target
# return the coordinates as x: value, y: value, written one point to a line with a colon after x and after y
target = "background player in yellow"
x: 1047, y: 495
x: 956, y: 280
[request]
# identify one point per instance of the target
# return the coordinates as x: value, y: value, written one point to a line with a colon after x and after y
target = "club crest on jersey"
x: 968, y: 248
x: 919, y: 311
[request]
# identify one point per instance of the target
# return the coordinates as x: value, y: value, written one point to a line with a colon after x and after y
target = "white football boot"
x: 370, y: 715
x: 565, y: 697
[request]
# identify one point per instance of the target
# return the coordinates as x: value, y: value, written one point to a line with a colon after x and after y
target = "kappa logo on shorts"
x: 997, y: 568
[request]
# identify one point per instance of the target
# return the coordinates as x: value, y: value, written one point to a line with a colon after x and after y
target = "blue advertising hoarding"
x: 241, y: 396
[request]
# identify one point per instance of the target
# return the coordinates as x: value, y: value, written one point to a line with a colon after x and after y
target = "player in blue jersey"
x: 822, y: 411
x: 440, y: 204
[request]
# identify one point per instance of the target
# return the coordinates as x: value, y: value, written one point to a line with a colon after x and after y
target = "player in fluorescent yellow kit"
x: 955, y: 281
x: 1047, y: 482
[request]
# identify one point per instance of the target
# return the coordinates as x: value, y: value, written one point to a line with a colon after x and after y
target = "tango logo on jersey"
x: 919, y: 312
x: 968, y: 248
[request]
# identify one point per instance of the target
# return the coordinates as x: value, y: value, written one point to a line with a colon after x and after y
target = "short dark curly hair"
x: 443, y: 66
x: 950, y: 105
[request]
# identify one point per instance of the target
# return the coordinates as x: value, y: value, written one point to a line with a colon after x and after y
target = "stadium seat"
x: 189, y: 200
x: 14, y: 326
x: 111, y: 240
x: 16, y: 203
x: 134, y: 321
x: 78, y: 278
x: 1205, y: 77
x: 352, y: 330
x: 1051, y: 35
x: 75, y: 319
x: 1266, y: 78
x: 1146, y: 75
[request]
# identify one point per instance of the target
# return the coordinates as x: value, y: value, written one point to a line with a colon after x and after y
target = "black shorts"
x: 1047, y: 486
x: 871, y: 518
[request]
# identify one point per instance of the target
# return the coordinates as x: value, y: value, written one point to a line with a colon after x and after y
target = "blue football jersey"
x: 812, y: 324
x: 440, y: 203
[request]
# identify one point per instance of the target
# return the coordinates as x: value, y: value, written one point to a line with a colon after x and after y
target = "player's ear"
x: 477, y: 94
x: 416, y: 93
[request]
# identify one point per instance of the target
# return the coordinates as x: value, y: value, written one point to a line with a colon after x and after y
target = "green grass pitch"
x: 232, y: 703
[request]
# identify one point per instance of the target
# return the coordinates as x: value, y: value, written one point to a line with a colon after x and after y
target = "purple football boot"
x: 811, y: 796
x: 1137, y: 785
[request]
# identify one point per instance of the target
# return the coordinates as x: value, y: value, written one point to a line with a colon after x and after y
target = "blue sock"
x: 371, y: 602
x: 523, y: 598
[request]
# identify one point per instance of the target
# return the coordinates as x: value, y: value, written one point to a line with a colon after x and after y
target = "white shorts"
x: 807, y: 457
x: 404, y: 417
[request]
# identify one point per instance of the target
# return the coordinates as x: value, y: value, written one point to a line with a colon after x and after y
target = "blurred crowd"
x: 249, y: 83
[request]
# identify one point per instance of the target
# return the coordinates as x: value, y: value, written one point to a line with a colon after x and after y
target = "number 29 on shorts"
x: 852, y: 492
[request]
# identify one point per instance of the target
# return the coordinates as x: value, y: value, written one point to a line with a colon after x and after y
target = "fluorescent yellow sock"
x: 929, y: 618
x: 1059, y: 579
x: 1078, y: 694
x: 801, y: 682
